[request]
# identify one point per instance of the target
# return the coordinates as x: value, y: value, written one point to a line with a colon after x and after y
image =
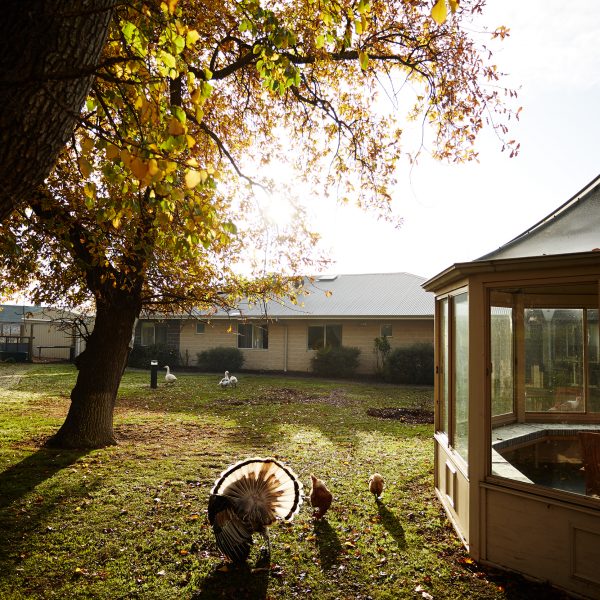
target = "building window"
x: 324, y: 336
x: 251, y: 335
x: 554, y: 354
x: 153, y: 334
x: 460, y: 334
x: 501, y: 348
x: 147, y: 334
x: 10, y: 329
x: 548, y: 354
x: 443, y: 366
x: 453, y: 314
x: 386, y: 330
x: 200, y: 327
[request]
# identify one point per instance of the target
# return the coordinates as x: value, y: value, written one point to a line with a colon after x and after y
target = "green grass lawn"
x: 130, y: 521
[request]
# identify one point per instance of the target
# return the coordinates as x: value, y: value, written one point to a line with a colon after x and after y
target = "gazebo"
x: 517, y: 399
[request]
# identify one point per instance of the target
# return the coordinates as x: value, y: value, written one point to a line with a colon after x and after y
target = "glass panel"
x: 147, y: 334
x: 261, y: 337
x: 316, y: 338
x: 461, y: 374
x: 161, y: 334
x: 501, y: 342
x: 244, y: 335
x: 333, y: 336
x: 386, y: 330
x: 554, y: 360
x: 443, y: 360
x: 593, y: 361
x: 200, y: 327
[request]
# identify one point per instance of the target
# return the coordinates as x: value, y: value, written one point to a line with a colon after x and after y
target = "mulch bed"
x: 405, y: 415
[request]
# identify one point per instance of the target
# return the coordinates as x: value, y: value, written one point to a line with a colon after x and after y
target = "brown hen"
x: 320, y: 497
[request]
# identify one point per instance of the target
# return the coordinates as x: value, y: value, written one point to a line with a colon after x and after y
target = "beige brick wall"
x: 360, y: 334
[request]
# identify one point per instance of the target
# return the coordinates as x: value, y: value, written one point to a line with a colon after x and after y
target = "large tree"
x: 150, y: 205
x: 49, y: 52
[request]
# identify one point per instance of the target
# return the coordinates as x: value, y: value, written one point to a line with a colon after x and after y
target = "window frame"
x: 446, y: 373
x: 255, y: 340
x: 382, y: 332
x: 147, y: 326
x: 323, y: 327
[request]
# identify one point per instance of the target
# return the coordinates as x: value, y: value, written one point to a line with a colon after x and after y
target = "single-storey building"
x: 36, y: 332
x: 342, y: 310
x: 517, y: 399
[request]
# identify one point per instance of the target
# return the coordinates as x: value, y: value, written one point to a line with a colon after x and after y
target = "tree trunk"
x: 89, y: 422
x: 49, y: 50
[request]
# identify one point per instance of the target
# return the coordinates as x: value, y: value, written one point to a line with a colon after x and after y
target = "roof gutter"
x: 461, y: 270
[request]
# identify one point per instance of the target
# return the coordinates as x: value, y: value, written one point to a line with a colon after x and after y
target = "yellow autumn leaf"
x: 112, y: 152
x: 175, y: 127
x: 196, y: 95
x: 126, y: 157
x: 139, y: 168
x: 439, y: 12
x: 153, y: 167
x: 191, y: 142
x: 453, y: 5
x: 87, y: 145
x: 85, y: 167
x: 192, y: 179
x: 191, y: 37
x: 89, y: 189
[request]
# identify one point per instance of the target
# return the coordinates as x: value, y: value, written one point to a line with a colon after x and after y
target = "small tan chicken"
x: 376, y: 485
x: 320, y: 497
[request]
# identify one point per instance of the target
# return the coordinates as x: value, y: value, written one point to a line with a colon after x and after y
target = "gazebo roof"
x: 572, y: 227
x: 568, y: 235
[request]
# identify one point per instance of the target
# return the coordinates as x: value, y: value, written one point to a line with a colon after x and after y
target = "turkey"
x: 169, y: 377
x: 248, y: 497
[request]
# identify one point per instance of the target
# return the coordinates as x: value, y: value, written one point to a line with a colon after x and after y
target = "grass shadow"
x: 328, y: 542
x: 24, y: 476
x: 239, y: 583
x: 18, y: 521
x: 392, y: 524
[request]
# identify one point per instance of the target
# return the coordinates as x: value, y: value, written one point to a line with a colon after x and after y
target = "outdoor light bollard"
x: 153, y: 373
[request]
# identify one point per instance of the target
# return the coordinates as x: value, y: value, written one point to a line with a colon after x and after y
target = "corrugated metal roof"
x: 351, y: 296
x: 10, y: 313
x: 572, y: 227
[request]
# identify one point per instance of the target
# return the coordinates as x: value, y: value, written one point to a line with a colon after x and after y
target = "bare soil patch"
x: 405, y: 415
x: 335, y: 397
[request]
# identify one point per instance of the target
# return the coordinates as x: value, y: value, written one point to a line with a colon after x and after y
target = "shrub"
x: 220, y: 358
x: 412, y: 364
x: 141, y: 356
x: 336, y: 362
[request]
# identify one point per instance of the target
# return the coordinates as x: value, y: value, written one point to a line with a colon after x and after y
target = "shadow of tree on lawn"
x: 19, y: 520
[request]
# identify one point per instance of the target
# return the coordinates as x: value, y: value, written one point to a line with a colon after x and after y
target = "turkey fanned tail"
x: 247, y: 498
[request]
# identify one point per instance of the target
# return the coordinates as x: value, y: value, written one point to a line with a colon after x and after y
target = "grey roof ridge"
x: 582, y: 193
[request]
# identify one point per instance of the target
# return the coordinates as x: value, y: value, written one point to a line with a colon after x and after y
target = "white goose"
x: 169, y: 377
x: 233, y: 381
x: 225, y: 381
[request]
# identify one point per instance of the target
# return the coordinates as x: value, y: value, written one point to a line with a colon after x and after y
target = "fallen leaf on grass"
x: 421, y: 590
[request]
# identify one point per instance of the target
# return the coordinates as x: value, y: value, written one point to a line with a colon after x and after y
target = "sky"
x: 457, y: 213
